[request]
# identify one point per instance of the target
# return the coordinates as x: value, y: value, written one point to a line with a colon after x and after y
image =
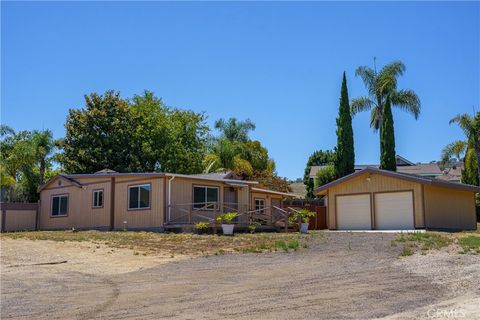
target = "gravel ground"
x: 342, y: 276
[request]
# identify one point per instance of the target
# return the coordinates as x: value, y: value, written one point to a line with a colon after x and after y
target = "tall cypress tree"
x: 345, y: 154
x: 387, y: 140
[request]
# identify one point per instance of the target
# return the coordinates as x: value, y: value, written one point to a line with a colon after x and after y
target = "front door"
x: 229, y: 199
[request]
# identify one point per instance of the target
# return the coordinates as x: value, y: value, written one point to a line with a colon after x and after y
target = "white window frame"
x: 138, y: 203
x: 258, y: 206
x: 96, y: 197
x: 65, y: 195
x: 202, y: 205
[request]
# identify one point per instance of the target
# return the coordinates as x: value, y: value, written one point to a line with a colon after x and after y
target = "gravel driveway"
x: 342, y: 276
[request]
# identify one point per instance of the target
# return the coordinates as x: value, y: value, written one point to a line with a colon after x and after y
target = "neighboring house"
x: 112, y: 200
x: 431, y: 169
x: 378, y: 199
x: 453, y: 172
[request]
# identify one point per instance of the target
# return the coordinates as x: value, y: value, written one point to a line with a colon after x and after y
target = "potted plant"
x: 225, y: 219
x: 201, y: 227
x: 253, y: 226
x: 303, y: 217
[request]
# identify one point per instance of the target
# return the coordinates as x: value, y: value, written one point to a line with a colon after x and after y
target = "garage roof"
x: 404, y: 176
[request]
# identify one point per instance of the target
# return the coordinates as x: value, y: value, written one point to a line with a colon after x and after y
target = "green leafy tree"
x: 26, y: 159
x: 325, y: 175
x: 141, y: 135
x: 44, y: 146
x: 100, y: 136
x: 234, y: 150
x: 317, y: 158
x: 470, y: 125
x: 345, y: 160
x: 470, y: 172
x: 381, y: 85
x: 387, y: 140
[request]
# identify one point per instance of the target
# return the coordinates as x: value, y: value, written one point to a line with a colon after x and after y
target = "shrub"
x: 253, y: 226
x: 201, y: 226
x: 226, y: 217
x: 302, y: 214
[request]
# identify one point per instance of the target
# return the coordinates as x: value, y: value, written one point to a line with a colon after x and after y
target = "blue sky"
x: 277, y: 63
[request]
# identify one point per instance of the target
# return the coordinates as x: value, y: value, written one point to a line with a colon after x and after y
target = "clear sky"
x: 277, y: 63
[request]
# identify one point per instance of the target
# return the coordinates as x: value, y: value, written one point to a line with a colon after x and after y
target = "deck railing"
x: 190, y: 213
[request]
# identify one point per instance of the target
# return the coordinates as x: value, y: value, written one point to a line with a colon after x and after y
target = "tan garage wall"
x: 80, y: 201
x: 449, y: 208
x: 376, y: 183
x: 139, y: 218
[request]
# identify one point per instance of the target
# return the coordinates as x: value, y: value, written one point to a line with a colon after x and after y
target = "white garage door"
x: 394, y: 211
x: 353, y: 212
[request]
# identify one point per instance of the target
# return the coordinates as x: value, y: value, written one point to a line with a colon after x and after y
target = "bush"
x: 324, y: 176
x: 201, y: 226
x: 227, y: 217
x: 302, y: 214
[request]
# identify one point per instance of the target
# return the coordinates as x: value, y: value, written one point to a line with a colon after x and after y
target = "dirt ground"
x: 339, y: 276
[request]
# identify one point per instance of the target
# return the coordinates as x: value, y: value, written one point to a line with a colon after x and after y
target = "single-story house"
x: 112, y: 200
x: 429, y: 169
x: 378, y: 199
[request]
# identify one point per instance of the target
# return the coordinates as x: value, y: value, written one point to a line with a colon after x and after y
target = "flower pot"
x: 304, y: 227
x: 227, y: 229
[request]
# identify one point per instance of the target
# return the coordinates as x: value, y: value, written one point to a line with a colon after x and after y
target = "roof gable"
x: 59, y: 177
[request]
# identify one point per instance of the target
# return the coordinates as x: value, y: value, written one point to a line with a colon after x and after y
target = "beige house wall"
x: 152, y: 217
x: 80, y: 201
x: 267, y: 197
x: 376, y: 184
x: 449, y: 208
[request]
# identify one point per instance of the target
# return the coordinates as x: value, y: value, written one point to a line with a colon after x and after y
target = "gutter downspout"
x: 170, y: 198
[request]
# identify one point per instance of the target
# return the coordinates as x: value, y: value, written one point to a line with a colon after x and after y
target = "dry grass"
x: 146, y: 243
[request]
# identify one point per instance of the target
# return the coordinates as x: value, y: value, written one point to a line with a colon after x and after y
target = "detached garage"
x: 374, y: 199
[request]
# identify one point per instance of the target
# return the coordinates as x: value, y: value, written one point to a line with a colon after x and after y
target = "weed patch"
x: 147, y: 243
x: 423, y: 241
x: 470, y: 244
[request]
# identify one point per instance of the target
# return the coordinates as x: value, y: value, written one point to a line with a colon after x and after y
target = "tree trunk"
x: 477, y: 151
x: 42, y: 171
x: 12, y: 191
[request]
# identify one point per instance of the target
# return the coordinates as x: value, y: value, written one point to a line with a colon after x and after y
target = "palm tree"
x: 456, y: 148
x: 380, y: 85
x: 470, y: 126
x: 235, y: 130
x: 44, y: 145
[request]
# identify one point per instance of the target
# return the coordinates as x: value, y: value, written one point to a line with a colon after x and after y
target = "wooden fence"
x: 19, y: 216
x: 319, y: 222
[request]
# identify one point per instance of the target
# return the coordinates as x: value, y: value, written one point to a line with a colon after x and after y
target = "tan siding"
x: 18, y: 220
x: 80, y: 211
x: 268, y: 199
x: 449, y: 208
x: 143, y: 218
x: 377, y: 183
x: 182, y: 189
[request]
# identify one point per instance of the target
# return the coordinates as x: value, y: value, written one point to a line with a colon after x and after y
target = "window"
x: 139, y: 197
x: 260, y: 205
x: 97, y: 199
x: 205, y: 197
x: 60, y: 205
